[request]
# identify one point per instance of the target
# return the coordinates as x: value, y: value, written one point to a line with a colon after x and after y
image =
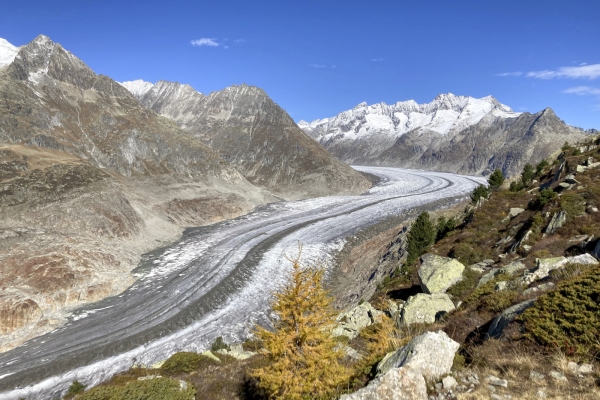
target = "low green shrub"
x: 150, y: 389
x: 569, y: 317
x: 487, y: 298
x: 544, y: 197
x: 463, y: 288
x: 480, y: 192
x: 572, y: 204
x: 185, y: 362
x: 76, y: 387
x: 219, y: 344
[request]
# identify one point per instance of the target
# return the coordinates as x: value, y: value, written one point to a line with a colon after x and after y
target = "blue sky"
x: 317, y: 58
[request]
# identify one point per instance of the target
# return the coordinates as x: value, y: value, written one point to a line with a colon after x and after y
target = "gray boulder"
x: 509, y: 269
x: 351, y: 322
x: 544, y: 287
x: 425, y: 308
x: 557, y: 221
x: 545, y: 265
x: 509, y: 315
x: 513, y: 212
x: 397, y: 384
x: 437, y: 273
x: 431, y: 353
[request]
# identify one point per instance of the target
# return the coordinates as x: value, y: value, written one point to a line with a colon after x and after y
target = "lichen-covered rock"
x: 425, y: 308
x: 431, y: 353
x: 352, y: 321
x: 500, y: 322
x: 437, y: 273
x: 545, y: 265
x: 397, y: 384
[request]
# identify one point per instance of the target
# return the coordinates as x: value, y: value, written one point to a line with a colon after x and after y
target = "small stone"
x: 558, y: 376
x: 536, y: 376
x: 491, y: 388
x: 572, y: 366
x: 492, y: 380
x: 449, y: 383
x: 461, y: 388
x: 439, y: 386
x: 183, y: 385
x: 501, y: 286
x: 586, y: 369
x: 541, y: 394
x: 495, y: 396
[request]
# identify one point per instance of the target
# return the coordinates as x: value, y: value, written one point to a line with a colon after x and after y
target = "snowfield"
x: 216, y: 281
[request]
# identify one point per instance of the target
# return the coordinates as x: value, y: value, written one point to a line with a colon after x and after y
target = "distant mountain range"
x: 452, y: 133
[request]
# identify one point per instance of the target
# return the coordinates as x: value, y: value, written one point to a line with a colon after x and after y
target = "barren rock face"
x: 16, y: 313
x: 247, y: 129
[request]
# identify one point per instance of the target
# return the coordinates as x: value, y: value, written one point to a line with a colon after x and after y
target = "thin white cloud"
x: 210, y: 42
x: 377, y: 59
x: 583, y: 91
x: 239, y: 41
x: 517, y: 73
x: 225, y: 47
x: 317, y: 65
x: 591, y: 71
x: 334, y: 66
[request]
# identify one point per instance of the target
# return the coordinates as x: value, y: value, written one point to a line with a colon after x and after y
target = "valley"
x: 216, y: 281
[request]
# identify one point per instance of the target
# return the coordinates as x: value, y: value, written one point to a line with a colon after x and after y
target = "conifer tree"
x: 496, y: 179
x: 527, y: 175
x: 422, y: 235
x: 303, y: 361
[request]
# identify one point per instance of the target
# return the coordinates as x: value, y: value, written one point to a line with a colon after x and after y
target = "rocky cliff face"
x: 247, y: 129
x: 89, y: 180
x: 452, y: 133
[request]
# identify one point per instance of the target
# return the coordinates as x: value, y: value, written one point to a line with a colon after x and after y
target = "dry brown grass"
x: 514, y: 362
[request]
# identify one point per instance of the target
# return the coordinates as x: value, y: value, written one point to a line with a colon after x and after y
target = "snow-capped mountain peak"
x: 138, y: 87
x: 7, y: 52
x: 445, y: 114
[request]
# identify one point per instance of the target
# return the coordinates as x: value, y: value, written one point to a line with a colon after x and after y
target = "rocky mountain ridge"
x: 90, y: 180
x: 452, y: 133
x: 250, y: 131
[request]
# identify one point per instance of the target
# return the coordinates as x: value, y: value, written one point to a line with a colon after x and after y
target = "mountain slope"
x: 246, y: 128
x: 89, y: 180
x: 452, y: 133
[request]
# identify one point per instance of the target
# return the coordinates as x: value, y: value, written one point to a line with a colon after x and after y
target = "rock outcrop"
x: 425, y: 308
x: 431, y: 354
x: 437, y: 274
x: 396, y: 384
x: 546, y: 265
x: 351, y: 322
x: 500, y: 322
